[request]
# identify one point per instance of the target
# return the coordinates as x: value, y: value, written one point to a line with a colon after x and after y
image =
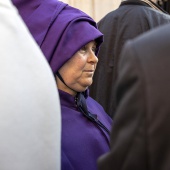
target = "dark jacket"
x: 127, y: 22
x: 140, y: 138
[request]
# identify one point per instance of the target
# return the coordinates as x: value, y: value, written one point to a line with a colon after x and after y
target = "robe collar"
x: 148, y: 3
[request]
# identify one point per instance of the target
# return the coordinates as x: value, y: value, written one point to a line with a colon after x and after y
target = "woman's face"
x: 79, y: 70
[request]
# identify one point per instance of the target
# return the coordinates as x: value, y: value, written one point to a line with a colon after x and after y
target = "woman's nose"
x: 92, y: 57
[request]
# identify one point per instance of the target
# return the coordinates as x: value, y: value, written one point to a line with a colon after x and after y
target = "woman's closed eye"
x: 83, y: 49
x: 94, y: 49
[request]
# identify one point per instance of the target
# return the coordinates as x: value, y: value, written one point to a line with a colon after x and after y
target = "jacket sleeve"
x: 127, y: 135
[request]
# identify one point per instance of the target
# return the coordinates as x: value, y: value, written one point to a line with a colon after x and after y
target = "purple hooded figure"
x: 70, y: 41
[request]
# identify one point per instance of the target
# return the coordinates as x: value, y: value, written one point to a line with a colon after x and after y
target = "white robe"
x: 30, y: 117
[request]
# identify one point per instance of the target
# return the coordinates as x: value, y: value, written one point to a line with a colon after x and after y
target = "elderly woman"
x: 70, y: 41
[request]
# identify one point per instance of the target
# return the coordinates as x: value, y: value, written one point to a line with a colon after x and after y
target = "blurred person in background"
x: 30, y: 116
x: 132, y: 18
x: 140, y: 137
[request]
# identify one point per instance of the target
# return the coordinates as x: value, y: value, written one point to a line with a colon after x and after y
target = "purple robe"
x: 61, y: 30
x: 82, y: 141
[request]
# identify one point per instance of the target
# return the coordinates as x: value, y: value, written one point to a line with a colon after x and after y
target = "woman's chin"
x: 82, y: 89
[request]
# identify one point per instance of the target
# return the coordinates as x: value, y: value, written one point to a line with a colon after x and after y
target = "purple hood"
x: 59, y: 29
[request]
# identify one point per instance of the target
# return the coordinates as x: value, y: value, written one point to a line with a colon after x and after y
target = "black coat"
x: 127, y: 22
x: 140, y: 137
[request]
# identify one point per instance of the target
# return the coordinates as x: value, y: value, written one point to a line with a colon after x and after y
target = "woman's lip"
x: 89, y: 70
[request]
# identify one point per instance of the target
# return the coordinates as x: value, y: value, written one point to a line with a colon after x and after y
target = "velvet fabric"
x: 59, y: 29
x: 82, y: 141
